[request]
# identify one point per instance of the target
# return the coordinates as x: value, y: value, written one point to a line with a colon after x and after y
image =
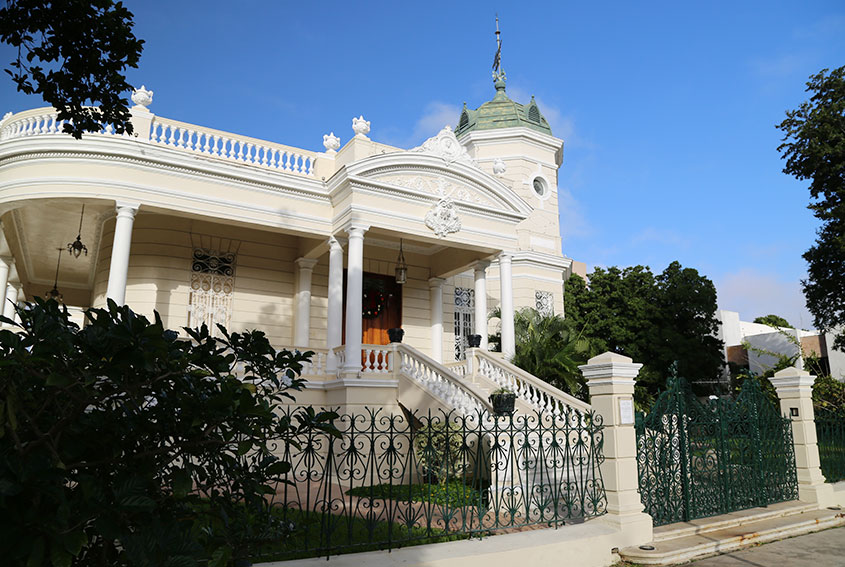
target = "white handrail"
x: 439, y: 380
x: 538, y: 394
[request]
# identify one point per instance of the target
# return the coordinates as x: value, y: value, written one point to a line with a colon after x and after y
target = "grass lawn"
x: 453, y: 494
x: 312, y: 534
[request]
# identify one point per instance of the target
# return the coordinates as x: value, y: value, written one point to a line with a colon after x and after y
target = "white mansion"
x: 323, y: 251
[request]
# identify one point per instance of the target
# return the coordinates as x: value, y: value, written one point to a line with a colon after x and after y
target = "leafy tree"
x: 814, y: 148
x: 122, y: 444
x: 551, y: 348
x: 655, y: 320
x: 74, y: 54
x: 773, y: 321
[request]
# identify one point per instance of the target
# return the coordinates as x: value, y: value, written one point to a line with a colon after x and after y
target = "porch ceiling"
x: 42, y: 226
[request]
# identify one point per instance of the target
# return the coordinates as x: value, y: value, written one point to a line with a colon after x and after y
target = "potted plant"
x: 474, y: 341
x: 395, y: 334
x: 503, y: 401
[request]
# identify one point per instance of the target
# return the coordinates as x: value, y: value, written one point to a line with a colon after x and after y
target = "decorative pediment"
x: 440, y: 187
x: 446, y: 146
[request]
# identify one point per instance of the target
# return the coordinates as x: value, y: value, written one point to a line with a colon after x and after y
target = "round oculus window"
x: 539, y: 186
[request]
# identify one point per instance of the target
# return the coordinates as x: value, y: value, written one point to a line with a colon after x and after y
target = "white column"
x: 481, y: 301
x: 611, y: 378
x: 20, y: 300
x: 354, y: 299
x: 795, y: 392
x: 302, y: 329
x: 435, y: 290
x: 6, y: 263
x: 334, y: 330
x: 119, y: 267
x: 506, y: 288
x: 11, y: 301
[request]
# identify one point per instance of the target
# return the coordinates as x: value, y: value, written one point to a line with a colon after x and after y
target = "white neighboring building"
x: 785, y: 340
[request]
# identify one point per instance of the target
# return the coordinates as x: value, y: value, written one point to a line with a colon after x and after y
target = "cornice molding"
x: 190, y: 203
x: 162, y: 158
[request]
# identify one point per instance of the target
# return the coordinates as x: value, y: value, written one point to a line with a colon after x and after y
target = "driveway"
x: 821, y: 549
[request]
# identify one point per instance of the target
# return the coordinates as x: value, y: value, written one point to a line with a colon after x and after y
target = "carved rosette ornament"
x: 446, y: 146
x: 361, y: 127
x: 331, y: 143
x: 442, y: 218
x: 142, y: 97
x: 499, y: 167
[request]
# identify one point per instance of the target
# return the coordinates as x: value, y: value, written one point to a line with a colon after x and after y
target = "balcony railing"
x: 198, y: 140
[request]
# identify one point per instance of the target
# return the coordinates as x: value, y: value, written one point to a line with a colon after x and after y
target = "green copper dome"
x: 502, y: 112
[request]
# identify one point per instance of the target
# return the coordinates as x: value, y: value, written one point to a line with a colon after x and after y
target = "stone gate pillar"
x: 611, y: 378
x: 795, y: 392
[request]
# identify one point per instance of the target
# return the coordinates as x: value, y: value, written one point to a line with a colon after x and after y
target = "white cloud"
x: 435, y: 116
x: 562, y: 126
x: 754, y: 294
x: 663, y: 236
x: 573, y: 221
x: 777, y: 67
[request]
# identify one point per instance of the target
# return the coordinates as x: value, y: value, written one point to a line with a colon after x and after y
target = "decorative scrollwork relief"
x: 439, y: 187
x: 544, y: 301
x: 212, y: 289
x: 442, y: 218
x: 447, y: 147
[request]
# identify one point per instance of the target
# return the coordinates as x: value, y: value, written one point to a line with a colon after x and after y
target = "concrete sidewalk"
x: 820, y: 549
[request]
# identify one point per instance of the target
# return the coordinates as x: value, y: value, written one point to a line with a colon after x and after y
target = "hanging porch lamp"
x: 76, y: 248
x: 54, y: 293
x: 401, y: 266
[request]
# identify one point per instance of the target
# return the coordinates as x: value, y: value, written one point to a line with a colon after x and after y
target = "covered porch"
x: 336, y: 294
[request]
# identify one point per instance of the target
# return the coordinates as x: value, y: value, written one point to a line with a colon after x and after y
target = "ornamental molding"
x: 440, y: 187
x: 331, y: 143
x: 442, y: 218
x: 361, y: 127
x: 447, y: 147
x: 190, y: 203
x: 142, y: 97
x: 370, y: 188
x: 159, y: 163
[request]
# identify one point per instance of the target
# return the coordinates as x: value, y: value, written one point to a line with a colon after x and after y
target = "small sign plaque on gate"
x: 626, y: 411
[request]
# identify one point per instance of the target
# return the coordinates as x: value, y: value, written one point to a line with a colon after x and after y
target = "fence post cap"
x: 791, y: 377
x: 606, y: 357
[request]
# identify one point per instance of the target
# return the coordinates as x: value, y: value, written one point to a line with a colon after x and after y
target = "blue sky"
x: 667, y: 108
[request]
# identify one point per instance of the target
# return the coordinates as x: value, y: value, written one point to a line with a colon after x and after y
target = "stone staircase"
x: 686, y: 541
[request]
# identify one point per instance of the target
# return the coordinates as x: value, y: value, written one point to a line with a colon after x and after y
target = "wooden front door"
x: 382, y: 308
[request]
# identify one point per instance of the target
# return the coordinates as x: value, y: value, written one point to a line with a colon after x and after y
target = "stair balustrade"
x: 538, y: 394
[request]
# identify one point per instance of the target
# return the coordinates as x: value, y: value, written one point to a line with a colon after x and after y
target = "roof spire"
x: 499, y: 76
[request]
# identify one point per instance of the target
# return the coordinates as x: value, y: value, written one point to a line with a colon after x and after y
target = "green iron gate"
x: 698, y: 460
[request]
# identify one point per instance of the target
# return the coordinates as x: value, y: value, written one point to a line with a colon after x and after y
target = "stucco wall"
x: 160, y: 270
x: 159, y: 276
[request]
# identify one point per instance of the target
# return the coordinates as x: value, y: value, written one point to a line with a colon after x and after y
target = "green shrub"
x: 439, y: 449
x: 123, y: 444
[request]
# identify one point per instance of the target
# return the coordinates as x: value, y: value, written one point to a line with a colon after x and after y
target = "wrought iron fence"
x: 394, y: 480
x: 830, y: 430
x: 698, y: 460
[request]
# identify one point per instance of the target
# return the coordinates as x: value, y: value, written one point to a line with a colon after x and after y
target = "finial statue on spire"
x: 498, y: 71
